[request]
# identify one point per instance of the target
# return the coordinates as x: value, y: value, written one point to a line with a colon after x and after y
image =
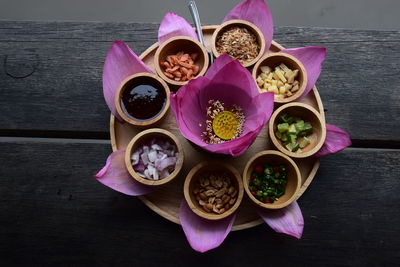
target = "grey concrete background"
x: 362, y: 14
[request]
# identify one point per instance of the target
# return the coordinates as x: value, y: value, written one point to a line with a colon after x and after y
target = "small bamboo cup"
x: 306, y: 113
x: 274, y: 158
x: 173, y: 46
x: 137, y: 79
x: 145, y: 137
x: 206, y: 167
x: 274, y: 59
x: 242, y: 24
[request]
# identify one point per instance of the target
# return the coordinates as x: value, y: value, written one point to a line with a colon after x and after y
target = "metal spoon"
x: 196, y: 18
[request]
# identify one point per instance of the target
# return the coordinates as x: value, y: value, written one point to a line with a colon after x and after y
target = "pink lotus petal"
x: 288, y: 220
x: 173, y: 25
x: 204, y: 235
x: 230, y: 83
x: 115, y: 175
x: 258, y: 13
x: 222, y: 61
x: 120, y: 63
x: 335, y: 141
x: 312, y: 58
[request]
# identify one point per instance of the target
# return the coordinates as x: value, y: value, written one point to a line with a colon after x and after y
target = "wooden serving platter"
x: 166, y: 201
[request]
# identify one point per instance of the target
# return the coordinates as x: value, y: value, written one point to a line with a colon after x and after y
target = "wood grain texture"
x: 51, y: 75
x: 53, y: 212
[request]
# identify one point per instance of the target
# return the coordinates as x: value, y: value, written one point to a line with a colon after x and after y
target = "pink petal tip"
x: 335, y: 141
x: 204, y: 235
x: 173, y: 25
x: 312, y: 58
x: 288, y: 220
x: 115, y: 176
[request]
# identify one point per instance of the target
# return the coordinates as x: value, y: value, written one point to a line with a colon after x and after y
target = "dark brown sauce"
x: 143, y: 101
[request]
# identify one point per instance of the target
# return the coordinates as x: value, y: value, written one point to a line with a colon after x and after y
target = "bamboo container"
x: 145, y: 137
x: 306, y: 113
x: 177, y: 44
x: 209, y: 167
x: 137, y: 79
x: 272, y: 157
x: 242, y: 24
x: 274, y: 59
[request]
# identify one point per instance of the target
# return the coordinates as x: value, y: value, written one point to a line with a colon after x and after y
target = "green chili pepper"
x: 268, y: 185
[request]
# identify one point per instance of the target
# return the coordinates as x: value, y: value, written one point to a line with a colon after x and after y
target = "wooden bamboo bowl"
x: 308, y: 114
x: 194, y: 175
x: 145, y: 137
x: 243, y: 24
x: 274, y: 59
x: 137, y: 79
x: 176, y: 44
x: 274, y: 158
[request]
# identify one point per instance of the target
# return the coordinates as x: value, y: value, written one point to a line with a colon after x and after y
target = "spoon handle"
x: 195, y: 15
x: 196, y: 18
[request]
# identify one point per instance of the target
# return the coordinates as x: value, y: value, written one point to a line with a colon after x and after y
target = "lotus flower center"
x: 225, y: 125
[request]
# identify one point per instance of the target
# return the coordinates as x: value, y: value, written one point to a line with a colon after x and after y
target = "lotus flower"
x: 229, y: 82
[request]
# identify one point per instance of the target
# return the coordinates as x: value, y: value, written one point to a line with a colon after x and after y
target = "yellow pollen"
x: 225, y: 125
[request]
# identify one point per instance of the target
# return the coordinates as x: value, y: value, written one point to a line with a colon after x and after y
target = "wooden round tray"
x: 167, y: 200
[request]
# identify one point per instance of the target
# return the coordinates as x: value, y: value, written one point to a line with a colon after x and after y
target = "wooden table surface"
x: 54, y: 135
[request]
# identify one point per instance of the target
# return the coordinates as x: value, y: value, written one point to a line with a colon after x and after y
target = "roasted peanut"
x: 205, y: 207
x: 231, y: 189
x: 215, y: 193
x: 203, y: 196
x: 209, y: 206
x: 215, y: 209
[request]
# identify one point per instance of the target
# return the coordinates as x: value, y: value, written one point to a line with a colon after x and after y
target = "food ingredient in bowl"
x: 155, y: 160
x: 239, y: 43
x: 268, y: 183
x: 281, y: 81
x: 293, y: 132
x: 215, y: 192
x: 180, y: 67
x: 222, y: 123
x: 143, y: 101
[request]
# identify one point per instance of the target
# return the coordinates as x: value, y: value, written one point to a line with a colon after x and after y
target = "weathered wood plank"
x: 46, y: 31
x: 53, y: 212
x: 51, y: 76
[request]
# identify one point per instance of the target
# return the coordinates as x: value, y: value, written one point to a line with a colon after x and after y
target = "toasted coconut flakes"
x: 239, y: 43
